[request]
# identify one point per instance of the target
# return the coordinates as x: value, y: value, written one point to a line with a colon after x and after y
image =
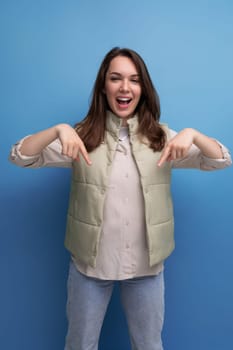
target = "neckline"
x: 123, y: 133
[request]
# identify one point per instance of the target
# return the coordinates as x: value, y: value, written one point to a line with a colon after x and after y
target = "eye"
x: 114, y: 78
x: 135, y: 79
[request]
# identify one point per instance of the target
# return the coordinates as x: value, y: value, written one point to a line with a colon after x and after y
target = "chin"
x: 124, y: 114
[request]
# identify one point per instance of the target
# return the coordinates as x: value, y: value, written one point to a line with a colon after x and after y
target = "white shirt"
x: 123, y: 249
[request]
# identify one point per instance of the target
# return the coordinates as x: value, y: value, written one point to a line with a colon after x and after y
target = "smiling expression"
x: 122, y: 87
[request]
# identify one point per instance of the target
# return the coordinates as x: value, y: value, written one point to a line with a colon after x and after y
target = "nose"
x: 124, y: 85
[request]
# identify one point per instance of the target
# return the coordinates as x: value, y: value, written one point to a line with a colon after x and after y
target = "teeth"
x: 124, y: 99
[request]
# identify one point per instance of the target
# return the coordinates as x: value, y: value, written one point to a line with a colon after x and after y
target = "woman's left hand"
x: 178, y: 146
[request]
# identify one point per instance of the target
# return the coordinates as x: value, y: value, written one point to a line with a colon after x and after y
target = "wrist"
x: 59, y: 127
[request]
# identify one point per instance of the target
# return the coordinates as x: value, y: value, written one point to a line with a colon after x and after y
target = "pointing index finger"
x: 164, y: 156
x: 85, y: 154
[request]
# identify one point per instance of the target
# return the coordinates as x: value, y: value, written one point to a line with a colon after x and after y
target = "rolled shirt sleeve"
x: 197, y: 160
x: 51, y: 156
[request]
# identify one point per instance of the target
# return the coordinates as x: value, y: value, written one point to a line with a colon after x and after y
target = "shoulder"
x: 169, y: 132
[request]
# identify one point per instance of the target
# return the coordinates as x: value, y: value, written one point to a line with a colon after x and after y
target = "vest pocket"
x: 86, y: 203
x: 158, y: 203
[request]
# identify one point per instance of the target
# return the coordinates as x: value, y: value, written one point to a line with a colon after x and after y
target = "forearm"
x: 208, y: 146
x: 71, y: 144
x: 179, y: 146
x: 35, y: 143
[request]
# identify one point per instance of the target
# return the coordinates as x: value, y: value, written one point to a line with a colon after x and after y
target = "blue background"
x: 50, y: 53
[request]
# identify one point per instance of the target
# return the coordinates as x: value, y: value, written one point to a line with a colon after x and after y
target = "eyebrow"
x: 119, y: 74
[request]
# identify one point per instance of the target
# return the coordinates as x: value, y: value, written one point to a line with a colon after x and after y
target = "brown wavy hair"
x: 92, y: 128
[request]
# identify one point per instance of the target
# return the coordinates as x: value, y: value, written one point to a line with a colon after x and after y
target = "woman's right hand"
x: 72, y: 145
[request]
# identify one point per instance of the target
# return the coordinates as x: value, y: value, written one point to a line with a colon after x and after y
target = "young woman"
x: 120, y: 217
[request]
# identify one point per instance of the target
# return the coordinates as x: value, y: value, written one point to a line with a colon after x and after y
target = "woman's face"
x: 122, y: 87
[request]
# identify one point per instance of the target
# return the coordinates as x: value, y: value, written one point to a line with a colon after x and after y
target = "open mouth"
x: 124, y: 101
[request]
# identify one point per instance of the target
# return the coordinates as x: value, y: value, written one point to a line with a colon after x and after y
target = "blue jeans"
x: 142, y: 299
